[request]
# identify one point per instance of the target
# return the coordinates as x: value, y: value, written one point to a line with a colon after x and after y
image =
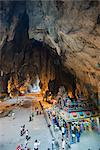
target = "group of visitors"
x: 24, y: 131
x: 75, y: 132
x: 59, y: 126
x: 77, y: 129
x: 56, y: 121
x: 37, y: 111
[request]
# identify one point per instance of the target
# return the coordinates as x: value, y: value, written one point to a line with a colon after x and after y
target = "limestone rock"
x: 71, y: 28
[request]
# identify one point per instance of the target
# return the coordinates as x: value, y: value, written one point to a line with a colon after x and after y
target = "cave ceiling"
x: 72, y: 28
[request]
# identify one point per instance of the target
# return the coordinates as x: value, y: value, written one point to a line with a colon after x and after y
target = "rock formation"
x: 71, y: 28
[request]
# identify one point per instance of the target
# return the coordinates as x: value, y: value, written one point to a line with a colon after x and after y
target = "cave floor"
x: 88, y: 140
x: 10, y: 130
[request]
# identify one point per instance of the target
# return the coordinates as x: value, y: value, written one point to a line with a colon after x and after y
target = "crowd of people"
x: 70, y: 134
x: 59, y: 125
x: 76, y: 130
x: 72, y: 130
x: 25, y: 133
x: 78, y: 127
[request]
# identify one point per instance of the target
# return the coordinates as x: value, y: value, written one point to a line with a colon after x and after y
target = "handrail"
x: 50, y: 126
x: 47, y: 120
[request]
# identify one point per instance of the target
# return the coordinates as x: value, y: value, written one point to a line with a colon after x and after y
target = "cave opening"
x: 49, y: 74
x: 32, y: 65
x: 39, y: 70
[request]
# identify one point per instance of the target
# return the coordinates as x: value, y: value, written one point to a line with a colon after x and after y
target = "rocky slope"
x: 71, y: 28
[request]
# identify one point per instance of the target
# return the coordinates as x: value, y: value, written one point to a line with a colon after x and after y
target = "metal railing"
x: 55, y: 146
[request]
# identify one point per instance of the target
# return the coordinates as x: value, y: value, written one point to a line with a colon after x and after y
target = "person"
x: 63, y: 144
x: 81, y: 127
x: 21, y: 130
x: 87, y: 125
x: 13, y: 115
x: 73, y: 137
x: 40, y: 112
x: 26, y: 148
x: 32, y: 113
x: 27, y: 134
x: 26, y: 143
x: 72, y: 128
x: 30, y: 118
x: 48, y: 111
x: 63, y: 131
x: 37, y: 111
x: 78, y: 136
x: 53, y: 142
x: 19, y: 147
x: 68, y: 143
x: 36, y: 145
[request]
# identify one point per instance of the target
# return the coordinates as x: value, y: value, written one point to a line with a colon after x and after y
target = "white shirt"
x: 36, y: 144
x: 21, y: 128
x: 63, y: 144
x: 13, y: 114
x: 63, y: 129
x: 53, y: 142
x: 27, y: 133
x: 72, y: 127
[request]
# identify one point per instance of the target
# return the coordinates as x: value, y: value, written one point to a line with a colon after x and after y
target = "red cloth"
x: 74, y: 114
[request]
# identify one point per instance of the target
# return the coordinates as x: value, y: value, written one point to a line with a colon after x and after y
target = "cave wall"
x: 71, y: 28
x: 36, y: 58
x: 74, y: 31
x: 24, y: 58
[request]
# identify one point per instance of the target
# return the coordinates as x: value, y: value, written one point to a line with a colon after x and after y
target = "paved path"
x: 10, y: 133
x: 10, y: 130
x: 88, y: 140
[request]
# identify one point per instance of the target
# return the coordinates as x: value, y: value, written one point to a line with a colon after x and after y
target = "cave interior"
x: 38, y: 42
